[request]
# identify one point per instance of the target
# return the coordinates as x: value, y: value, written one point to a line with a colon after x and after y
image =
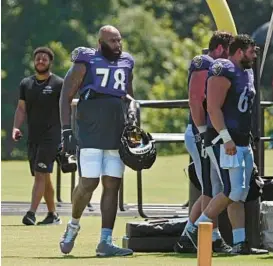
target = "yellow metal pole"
x: 222, y: 15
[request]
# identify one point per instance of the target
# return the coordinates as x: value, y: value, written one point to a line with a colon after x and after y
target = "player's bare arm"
x: 217, y: 90
x: 130, y: 91
x: 197, y: 96
x: 19, y: 118
x: 71, y: 85
x: 20, y: 114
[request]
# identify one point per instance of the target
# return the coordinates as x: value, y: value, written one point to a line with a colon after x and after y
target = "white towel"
x: 228, y: 161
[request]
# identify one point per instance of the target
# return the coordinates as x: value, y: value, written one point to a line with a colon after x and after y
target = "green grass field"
x: 164, y: 183
x: 32, y: 246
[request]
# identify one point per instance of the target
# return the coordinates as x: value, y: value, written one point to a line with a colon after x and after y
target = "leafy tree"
x: 175, y: 86
x: 162, y: 35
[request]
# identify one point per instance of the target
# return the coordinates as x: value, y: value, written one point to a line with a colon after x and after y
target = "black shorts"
x: 100, y: 122
x: 41, y: 157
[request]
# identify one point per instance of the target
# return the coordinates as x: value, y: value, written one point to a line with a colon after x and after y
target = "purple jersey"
x: 103, y: 76
x: 237, y: 108
x: 198, y: 63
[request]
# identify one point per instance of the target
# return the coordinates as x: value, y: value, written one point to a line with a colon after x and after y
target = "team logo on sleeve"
x: 197, y: 61
x: 74, y: 55
x: 217, y: 68
x: 76, y: 52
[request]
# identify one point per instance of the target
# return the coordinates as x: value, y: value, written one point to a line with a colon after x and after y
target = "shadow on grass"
x: 224, y: 255
x: 72, y: 257
x: 12, y: 225
x: 136, y: 254
x: 61, y: 257
x: 268, y: 257
x: 191, y: 255
x: 214, y: 256
x: 175, y: 255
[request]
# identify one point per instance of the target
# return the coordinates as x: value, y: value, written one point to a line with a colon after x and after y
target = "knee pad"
x: 236, y: 194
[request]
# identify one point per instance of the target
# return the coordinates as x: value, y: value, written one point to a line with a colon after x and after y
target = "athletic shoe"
x: 192, y: 234
x: 68, y: 239
x: 106, y: 249
x: 220, y: 246
x: 243, y: 248
x: 51, y: 219
x: 29, y: 218
x: 184, y: 245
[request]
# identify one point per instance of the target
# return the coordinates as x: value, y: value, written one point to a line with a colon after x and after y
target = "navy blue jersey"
x: 103, y: 76
x: 198, y: 63
x: 237, y: 108
x: 101, y: 109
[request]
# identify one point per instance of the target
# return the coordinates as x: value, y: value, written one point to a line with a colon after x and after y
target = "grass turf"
x: 166, y: 182
x: 39, y: 245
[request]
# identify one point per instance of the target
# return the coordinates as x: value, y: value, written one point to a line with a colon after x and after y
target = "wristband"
x: 202, y: 129
x: 225, y: 135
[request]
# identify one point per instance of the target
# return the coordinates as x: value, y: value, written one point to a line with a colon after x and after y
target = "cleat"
x: 243, y: 248
x: 68, y: 239
x: 192, y: 234
x: 184, y: 245
x: 106, y: 249
x: 220, y: 246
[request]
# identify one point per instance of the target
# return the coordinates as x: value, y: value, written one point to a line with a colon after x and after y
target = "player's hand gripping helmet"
x: 67, y: 162
x: 137, y: 148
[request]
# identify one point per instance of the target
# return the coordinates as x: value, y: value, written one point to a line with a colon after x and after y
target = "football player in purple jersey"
x: 102, y: 77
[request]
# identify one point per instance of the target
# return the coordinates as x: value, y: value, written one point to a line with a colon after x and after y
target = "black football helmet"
x: 67, y: 162
x: 137, y: 148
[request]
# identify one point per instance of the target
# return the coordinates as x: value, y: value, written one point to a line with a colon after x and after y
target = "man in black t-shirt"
x: 39, y: 102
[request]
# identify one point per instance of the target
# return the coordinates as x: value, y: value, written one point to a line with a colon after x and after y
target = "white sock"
x: 106, y: 235
x: 202, y: 218
x: 216, y: 234
x: 74, y: 221
x: 239, y: 235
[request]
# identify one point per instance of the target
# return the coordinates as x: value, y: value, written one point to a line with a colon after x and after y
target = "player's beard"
x: 108, y: 53
x: 246, y: 63
x: 41, y: 72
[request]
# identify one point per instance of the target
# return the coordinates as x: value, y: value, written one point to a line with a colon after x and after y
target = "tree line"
x: 162, y: 35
